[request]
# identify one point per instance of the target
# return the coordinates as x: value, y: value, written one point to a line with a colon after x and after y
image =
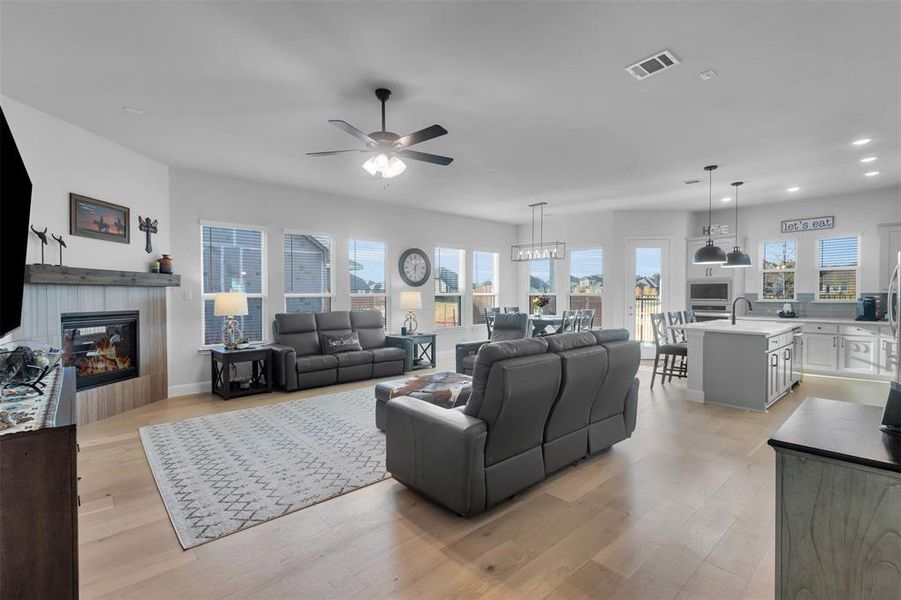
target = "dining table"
x: 540, y: 323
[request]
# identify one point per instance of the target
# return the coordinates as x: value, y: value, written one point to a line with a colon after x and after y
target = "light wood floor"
x: 684, y: 509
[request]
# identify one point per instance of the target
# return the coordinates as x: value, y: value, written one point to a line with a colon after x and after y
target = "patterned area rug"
x: 222, y: 473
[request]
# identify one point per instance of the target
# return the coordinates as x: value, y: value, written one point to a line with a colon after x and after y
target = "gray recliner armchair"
x: 507, y: 326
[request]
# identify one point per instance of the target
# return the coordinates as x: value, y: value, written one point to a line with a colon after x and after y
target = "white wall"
x: 200, y: 197
x: 61, y: 159
x: 858, y: 214
x: 611, y: 230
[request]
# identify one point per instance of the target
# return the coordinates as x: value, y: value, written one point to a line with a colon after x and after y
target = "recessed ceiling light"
x: 708, y: 74
x: 726, y: 199
x: 871, y: 173
x: 868, y: 159
x: 793, y: 189
x: 861, y: 141
x: 133, y: 111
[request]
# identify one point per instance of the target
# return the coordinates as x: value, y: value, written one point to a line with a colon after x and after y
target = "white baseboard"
x: 188, y: 389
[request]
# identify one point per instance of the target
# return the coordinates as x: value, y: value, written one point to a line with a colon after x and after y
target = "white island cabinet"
x: 748, y: 365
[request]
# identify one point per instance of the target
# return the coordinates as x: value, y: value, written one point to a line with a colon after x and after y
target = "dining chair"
x: 668, y: 350
x: 688, y: 316
x: 490, y: 313
x: 674, y: 319
x: 511, y: 309
x: 568, y: 322
x: 585, y: 319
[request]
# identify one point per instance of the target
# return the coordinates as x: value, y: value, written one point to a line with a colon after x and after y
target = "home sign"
x: 809, y: 224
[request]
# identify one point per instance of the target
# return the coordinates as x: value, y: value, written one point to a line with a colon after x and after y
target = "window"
x: 484, y: 284
x: 778, y: 260
x: 368, y: 289
x: 448, y: 293
x: 837, y: 264
x: 308, y: 273
x: 541, y: 283
x: 586, y: 280
x: 233, y: 262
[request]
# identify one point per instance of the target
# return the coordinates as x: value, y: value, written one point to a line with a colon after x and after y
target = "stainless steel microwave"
x: 709, y: 290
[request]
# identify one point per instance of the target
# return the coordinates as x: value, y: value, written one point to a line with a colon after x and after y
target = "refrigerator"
x: 894, y: 313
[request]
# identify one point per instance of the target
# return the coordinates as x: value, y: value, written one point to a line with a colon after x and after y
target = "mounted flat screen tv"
x: 15, y: 210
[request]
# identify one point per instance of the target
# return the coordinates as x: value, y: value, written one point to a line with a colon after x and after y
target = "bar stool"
x: 664, y: 347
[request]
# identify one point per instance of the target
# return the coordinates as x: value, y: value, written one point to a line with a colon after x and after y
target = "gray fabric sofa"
x: 299, y: 362
x: 537, y: 405
x: 507, y: 326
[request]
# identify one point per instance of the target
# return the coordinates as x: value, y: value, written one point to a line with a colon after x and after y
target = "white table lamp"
x: 411, y: 301
x: 230, y: 305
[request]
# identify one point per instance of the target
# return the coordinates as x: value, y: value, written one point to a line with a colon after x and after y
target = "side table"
x: 221, y: 361
x: 420, y: 349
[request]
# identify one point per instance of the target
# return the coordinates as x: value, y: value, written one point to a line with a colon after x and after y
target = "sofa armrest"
x: 437, y: 451
x: 630, y: 408
x: 284, y: 367
x: 404, y: 344
x: 464, y: 349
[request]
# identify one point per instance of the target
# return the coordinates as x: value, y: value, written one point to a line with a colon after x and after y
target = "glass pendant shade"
x: 384, y: 166
x: 709, y: 254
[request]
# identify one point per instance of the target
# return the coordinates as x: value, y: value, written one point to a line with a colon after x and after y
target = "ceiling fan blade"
x: 332, y: 152
x: 426, y: 157
x: 345, y: 126
x: 420, y: 136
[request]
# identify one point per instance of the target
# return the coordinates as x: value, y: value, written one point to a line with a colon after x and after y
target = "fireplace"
x: 102, y: 346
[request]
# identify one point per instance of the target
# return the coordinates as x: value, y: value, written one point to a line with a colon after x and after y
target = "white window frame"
x: 461, y: 286
x: 331, y: 284
x: 553, y: 277
x: 495, y: 280
x: 387, y: 293
x: 264, y: 280
x: 856, y: 270
x: 761, y: 253
x: 570, y: 273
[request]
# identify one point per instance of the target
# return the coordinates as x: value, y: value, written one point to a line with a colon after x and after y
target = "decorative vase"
x: 166, y: 264
x: 539, y: 310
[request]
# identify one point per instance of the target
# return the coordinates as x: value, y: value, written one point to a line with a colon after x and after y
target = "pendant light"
x: 709, y: 253
x: 737, y: 259
x: 538, y: 250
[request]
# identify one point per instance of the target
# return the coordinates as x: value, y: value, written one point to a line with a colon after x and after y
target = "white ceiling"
x: 534, y: 94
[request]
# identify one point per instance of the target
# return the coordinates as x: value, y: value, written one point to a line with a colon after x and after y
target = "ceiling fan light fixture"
x: 370, y: 167
x: 395, y: 167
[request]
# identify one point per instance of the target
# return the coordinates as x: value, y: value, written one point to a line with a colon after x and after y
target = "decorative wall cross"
x: 148, y: 227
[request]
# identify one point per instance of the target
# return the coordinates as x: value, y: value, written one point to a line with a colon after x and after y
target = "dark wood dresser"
x: 838, y: 504
x: 39, y: 505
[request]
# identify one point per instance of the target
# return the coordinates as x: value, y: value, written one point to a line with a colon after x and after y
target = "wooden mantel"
x: 53, y: 275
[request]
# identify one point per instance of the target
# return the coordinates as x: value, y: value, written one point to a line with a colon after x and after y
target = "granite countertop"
x: 764, y: 328
x: 840, y: 430
x: 837, y: 321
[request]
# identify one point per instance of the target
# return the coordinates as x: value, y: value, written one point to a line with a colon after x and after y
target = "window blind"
x: 838, y: 252
x: 837, y: 261
x: 447, y: 270
x: 367, y: 267
x: 308, y: 268
x: 586, y: 271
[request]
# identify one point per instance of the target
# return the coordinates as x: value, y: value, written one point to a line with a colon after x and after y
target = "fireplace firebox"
x: 102, y: 346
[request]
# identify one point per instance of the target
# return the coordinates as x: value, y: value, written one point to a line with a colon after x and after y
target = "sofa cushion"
x: 469, y: 362
x: 297, y: 330
x: 387, y: 354
x: 607, y: 336
x: 357, y: 357
x: 492, y: 353
x: 316, y: 362
x: 336, y: 343
x: 562, y: 342
x: 368, y: 323
x: 333, y: 322
x: 510, y: 326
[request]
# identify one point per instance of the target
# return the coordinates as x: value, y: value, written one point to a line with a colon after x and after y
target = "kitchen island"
x: 748, y: 365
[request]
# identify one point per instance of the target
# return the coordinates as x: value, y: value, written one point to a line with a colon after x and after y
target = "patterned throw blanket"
x: 442, y: 388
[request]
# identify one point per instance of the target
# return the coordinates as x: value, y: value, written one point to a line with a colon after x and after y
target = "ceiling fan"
x: 387, y: 147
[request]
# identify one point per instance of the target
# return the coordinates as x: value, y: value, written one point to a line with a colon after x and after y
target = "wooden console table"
x: 838, y: 504
x: 420, y: 347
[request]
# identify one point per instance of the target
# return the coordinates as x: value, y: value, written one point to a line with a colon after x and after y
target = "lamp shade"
x: 709, y: 254
x: 411, y: 300
x: 230, y: 304
x: 737, y: 259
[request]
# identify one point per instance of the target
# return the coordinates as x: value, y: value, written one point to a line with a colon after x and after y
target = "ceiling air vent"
x: 653, y: 64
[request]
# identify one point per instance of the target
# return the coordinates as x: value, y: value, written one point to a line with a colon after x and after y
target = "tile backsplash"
x: 805, y: 306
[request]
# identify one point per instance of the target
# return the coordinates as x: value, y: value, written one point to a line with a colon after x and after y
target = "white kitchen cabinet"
x: 857, y: 354
x: 888, y: 356
x: 820, y: 352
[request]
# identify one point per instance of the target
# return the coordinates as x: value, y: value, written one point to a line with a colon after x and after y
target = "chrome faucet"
x: 733, y: 306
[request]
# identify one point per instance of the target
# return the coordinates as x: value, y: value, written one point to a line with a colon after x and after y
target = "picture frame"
x: 99, y: 220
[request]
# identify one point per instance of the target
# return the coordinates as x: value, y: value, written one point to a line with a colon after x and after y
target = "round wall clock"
x: 414, y: 267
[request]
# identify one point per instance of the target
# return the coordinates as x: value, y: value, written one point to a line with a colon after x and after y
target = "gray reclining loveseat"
x: 300, y: 360
x: 536, y: 405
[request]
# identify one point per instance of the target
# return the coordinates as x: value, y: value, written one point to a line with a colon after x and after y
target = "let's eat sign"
x: 809, y: 224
